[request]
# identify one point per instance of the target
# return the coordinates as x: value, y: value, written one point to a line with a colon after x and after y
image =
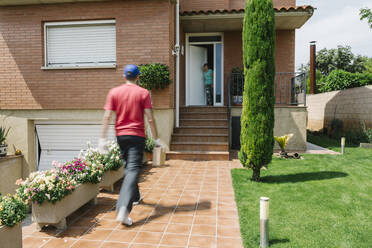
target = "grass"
x: 321, y: 201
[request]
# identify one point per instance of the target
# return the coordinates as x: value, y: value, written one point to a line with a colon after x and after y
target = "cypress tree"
x: 257, y: 120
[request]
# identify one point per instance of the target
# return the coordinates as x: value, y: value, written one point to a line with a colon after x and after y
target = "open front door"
x: 195, y: 84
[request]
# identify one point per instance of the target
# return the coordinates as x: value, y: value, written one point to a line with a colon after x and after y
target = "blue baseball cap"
x: 131, y: 71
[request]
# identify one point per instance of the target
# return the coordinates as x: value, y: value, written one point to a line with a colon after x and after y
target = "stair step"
x: 198, y: 155
x: 201, y: 130
x: 204, y: 109
x: 204, y: 122
x: 177, y: 137
x: 203, y: 115
x: 199, y: 146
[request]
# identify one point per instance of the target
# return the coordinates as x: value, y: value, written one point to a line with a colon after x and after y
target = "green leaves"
x: 257, y: 119
x: 3, y: 134
x: 366, y: 13
x: 12, y: 210
x: 154, y: 76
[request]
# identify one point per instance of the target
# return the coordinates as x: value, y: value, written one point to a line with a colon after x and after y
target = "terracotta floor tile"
x: 73, y: 232
x: 179, y: 228
x: 204, y: 241
x: 205, y: 220
x: 154, y: 227
x: 228, y: 222
x: 60, y: 243
x: 84, y: 222
x: 229, y: 242
x: 122, y: 236
x: 158, y: 218
x: 107, y: 224
x: 97, y: 234
x: 175, y: 240
x: 144, y: 246
x: 182, y: 219
x: 148, y: 238
x: 31, y: 242
x: 203, y: 230
x: 110, y: 215
x: 114, y: 245
x: 87, y: 244
x: 228, y: 231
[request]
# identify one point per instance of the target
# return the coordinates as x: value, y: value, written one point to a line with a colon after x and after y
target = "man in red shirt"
x: 130, y: 102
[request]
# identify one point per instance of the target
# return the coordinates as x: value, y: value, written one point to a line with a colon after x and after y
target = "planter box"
x: 111, y: 177
x: 11, y: 170
x: 366, y: 145
x: 55, y: 214
x: 11, y: 237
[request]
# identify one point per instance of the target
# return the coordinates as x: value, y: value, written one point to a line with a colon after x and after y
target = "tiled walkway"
x: 186, y: 204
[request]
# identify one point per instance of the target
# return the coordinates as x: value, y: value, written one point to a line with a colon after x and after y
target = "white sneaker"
x: 123, y: 217
x: 138, y: 202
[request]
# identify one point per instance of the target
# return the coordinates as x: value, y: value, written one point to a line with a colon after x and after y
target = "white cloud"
x: 335, y: 22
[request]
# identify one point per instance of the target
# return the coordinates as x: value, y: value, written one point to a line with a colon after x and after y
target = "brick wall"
x: 352, y: 106
x: 191, y: 5
x: 145, y: 34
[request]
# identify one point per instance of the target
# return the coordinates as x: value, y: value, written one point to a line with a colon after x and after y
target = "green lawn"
x: 321, y: 201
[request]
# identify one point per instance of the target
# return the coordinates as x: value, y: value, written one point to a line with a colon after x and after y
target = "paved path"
x: 314, y: 149
x: 186, y: 204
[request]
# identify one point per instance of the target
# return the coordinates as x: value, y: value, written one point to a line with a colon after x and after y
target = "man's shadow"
x: 204, y: 205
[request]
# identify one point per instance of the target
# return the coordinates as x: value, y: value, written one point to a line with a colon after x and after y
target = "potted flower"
x: 3, y: 135
x: 112, y: 163
x: 12, y: 211
x: 149, y: 147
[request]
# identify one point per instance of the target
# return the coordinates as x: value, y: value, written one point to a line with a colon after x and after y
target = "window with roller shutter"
x: 81, y: 44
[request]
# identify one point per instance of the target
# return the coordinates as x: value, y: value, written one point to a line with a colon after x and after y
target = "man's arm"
x: 105, y: 122
x: 150, y: 118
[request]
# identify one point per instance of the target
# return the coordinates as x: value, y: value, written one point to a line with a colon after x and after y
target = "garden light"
x: 343, y: 145
x: 264, y: 222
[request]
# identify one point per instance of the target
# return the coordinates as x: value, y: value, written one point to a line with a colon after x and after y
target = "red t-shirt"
x: 129, y: 102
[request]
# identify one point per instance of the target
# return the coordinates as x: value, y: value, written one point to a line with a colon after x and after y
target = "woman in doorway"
x: 208, y: 83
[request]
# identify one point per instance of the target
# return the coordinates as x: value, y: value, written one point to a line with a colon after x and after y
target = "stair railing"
x: 229, y: 111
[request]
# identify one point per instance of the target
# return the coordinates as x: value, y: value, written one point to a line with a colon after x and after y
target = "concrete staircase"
x: 202, y: 135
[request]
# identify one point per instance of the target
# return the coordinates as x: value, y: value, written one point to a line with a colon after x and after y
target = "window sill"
x: 77, y: 67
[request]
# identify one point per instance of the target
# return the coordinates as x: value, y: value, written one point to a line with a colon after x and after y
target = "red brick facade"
x: 145, y: 34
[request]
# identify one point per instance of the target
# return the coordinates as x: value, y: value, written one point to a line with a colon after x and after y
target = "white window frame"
x: 73, y: 66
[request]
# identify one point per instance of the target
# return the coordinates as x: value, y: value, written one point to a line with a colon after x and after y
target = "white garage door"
x: 63, y: 142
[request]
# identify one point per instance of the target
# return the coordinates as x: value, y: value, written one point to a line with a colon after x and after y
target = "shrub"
x: 367, y: 132
x: 283, y: 141
x: 336, y: 128
x: 355, y: 137
x: 149, y: 144
x: 154, y: 76
x: 12, y: 210
x: 257, y: 121
x: 341, y: 80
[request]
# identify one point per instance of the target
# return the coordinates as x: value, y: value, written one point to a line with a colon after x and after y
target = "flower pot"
x: 3, y: 150
x: 11, y: 237
x: 145, y: 158
x: 55, y: 214
x: 110, y: 178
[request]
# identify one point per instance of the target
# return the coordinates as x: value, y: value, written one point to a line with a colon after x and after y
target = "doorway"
x: 203, y: 49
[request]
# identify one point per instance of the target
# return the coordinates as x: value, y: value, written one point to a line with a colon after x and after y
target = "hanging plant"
x: 154, y: 76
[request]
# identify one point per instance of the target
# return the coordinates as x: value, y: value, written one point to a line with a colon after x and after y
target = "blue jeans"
x: 131, y: 148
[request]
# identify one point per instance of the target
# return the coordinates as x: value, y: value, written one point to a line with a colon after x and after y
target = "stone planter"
x: 11, y: 237
x: 55, y: 214
x: 366, y: 145
x: 146, y: 157
x: 3, y: 150
x: 110, y: 178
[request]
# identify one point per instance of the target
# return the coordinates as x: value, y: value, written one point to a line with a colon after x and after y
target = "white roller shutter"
x: 64, y: 142
x: 80, y: 44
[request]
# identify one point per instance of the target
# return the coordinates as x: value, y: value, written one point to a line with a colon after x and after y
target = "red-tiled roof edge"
x: 234, y: 11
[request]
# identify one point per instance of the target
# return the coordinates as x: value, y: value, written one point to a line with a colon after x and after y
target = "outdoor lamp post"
x: 264, y: 222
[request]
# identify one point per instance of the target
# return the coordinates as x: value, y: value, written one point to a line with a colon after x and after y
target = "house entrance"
x: 204, y: 49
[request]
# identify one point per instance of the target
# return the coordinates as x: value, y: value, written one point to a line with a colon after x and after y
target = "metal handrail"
x: 229, y: 112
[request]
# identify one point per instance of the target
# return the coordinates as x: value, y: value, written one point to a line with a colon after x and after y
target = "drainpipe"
x: 177, y: 53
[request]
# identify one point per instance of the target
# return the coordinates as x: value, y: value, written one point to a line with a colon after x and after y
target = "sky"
x: 335, y: 22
